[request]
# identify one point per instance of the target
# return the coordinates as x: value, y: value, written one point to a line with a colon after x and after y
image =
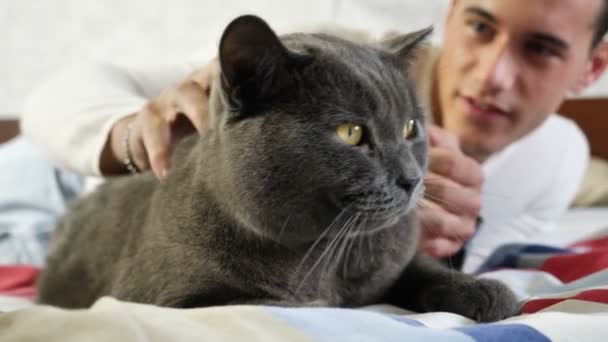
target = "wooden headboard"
x: 592, y: 117
x: 590, y: 114
x: 8, y: 129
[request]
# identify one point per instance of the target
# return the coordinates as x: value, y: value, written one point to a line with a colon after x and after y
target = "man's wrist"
x: 112, y: 157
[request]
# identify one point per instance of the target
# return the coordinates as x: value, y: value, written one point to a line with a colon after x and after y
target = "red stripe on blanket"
x: 18, y: 281
x: 593, y: 244
x: 569, y: 267
x: 596, y: 296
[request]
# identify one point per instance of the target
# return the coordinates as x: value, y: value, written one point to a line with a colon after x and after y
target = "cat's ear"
x: 406, y: 46
x: 252, y: 58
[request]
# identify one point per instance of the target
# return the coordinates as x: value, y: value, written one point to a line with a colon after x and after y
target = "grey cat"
x: 301, y: 192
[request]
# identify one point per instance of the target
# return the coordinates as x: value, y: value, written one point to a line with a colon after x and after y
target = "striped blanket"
x: 565, y: 291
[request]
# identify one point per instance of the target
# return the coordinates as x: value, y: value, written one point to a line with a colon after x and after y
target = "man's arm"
x: 71, y: 116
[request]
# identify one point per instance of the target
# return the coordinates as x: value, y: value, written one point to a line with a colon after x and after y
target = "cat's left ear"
x: 406, y: 46
x: 254, y: 62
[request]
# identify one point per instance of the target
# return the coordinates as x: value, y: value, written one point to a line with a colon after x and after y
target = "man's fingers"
x: 156, y: 133
x: 138, y: 149
x: 456, y: 166
x: 194, y: 94
x: 441, y: 248
x: 438, y: 223
x: 452, y: 196
x: 207, y: 74
x: 441, y: 138
x: 193, y: 101
x: 178, y: 111
x: 442, y: 233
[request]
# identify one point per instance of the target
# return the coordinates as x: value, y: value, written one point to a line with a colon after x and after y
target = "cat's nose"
x: 408, y: 184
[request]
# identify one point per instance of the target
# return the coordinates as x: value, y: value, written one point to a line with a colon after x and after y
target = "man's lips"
x: 484, y: 109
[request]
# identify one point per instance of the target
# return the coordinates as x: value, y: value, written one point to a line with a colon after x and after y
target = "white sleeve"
x: 70, y: 116
x: 530, y: 189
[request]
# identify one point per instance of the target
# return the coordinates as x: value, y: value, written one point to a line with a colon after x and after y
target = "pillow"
x: 593, y: 192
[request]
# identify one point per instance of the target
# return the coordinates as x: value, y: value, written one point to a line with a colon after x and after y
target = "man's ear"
x: 597, y: 64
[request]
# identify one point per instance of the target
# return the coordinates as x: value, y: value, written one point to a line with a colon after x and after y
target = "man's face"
x: 507, y: 64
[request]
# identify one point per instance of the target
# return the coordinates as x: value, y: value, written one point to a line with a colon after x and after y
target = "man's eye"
x: 478, y: 26
x: 480, y: 29
x: 541, y: 50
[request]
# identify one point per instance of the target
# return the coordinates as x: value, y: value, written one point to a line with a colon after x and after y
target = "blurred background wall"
x: 39, y: 37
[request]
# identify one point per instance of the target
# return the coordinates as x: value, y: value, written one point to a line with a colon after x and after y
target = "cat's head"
x: 316, y: 129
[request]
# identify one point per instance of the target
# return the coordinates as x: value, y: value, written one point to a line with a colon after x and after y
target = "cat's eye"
x: 352, y: 134
x: 410, y: 131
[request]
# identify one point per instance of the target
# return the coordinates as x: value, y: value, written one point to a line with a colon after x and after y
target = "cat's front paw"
x: 483, y: 300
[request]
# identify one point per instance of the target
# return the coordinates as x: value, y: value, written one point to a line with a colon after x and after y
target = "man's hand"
x: 453, y: 196
x: 154, y: 130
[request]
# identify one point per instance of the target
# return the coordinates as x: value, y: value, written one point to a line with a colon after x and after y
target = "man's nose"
x: 497, y: 68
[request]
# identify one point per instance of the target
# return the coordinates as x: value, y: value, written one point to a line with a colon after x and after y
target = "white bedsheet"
x: 578, y: 224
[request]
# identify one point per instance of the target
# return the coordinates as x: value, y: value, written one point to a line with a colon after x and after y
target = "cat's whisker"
x: 424, y: 201
x: 452, y: 272
x: 357, y: 236
x: 321, y: 237
x: 338, y: 245
x: 320, y: 258
x: 346, y: 240
x: 370, y: 244
x: 360, y: 242
x: 283, y: 228
x: 349, y: 250
x: 438, y: 200
x: 331, y: 248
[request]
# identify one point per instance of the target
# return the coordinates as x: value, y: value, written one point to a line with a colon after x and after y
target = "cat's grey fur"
x: 269, y: 205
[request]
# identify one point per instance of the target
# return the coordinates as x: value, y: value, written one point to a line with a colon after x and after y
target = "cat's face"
x: 318, y: 130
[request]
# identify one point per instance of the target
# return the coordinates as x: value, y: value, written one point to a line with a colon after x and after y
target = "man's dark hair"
x: 601, y: 27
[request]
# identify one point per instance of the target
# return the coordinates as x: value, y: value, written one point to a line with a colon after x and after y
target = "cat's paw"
x: 483, y: 300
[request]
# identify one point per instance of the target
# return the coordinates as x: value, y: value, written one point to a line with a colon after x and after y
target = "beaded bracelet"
x: 128, y: 161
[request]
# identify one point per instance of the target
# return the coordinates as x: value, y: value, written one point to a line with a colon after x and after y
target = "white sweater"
x: 528, y: 185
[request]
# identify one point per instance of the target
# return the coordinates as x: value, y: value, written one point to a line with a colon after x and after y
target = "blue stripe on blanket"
x: 508, y: 256
x: 406, y: 320
x: 331, y: 324
x: 504, y: 333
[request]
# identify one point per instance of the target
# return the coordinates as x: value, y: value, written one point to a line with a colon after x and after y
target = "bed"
x: 562, y: 284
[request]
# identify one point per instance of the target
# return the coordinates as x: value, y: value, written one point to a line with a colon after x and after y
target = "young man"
x: 500, y: 75
x: 492, y: 89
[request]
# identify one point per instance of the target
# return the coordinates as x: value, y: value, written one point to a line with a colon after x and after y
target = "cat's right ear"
x: 254, y: 63
x: 407, y: 46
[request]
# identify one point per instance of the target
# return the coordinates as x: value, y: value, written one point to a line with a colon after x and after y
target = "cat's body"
x: 172, y: 266
x: 270, y: 206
